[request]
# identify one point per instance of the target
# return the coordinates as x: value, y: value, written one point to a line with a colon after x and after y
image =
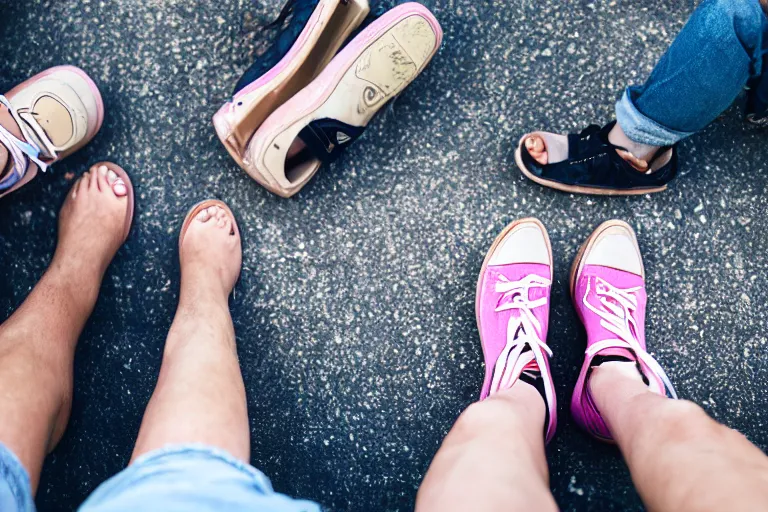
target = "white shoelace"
x: 616, y: 316
x: 522, y: 331
x: 19, y: 150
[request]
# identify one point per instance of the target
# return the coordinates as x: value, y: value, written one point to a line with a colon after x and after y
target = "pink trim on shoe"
x: 611, y: 304
x: 512, y: 310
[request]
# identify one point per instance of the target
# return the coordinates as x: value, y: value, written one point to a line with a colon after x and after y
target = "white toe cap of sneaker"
x: 616, y: 247
x: 526, y: 243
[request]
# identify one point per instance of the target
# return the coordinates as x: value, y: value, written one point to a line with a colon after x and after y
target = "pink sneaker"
x: 608, y: 291
x: 512, y: 308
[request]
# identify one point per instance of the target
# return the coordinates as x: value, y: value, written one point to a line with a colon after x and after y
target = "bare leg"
x: 37, y: 343
x: 679, y: 457
x: 493, y: 459
x: 200, y: 396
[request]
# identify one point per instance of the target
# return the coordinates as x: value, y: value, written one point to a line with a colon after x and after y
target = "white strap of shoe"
x: 18, y: 149
x: 616, y: 317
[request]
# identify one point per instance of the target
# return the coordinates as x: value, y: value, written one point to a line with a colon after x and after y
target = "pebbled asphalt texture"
x: 355, y: 310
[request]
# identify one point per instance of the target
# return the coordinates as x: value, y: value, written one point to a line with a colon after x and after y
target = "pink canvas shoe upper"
x: 513, y: 313
x: 611, y: 304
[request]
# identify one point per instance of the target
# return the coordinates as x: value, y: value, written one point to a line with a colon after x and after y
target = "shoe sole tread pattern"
x: 373, y: 70
x: 275, y: 87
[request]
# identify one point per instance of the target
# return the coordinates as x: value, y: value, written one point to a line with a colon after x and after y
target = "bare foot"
x: 92, y: 222
x: 92, y: 227
x: 210, y: 252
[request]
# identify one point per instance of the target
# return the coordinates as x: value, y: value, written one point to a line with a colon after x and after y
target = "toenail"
x: 202, y: 215
x: 103, y: 170
x: 111, y: 176
x: 119, y: 187
x: 212, y: 211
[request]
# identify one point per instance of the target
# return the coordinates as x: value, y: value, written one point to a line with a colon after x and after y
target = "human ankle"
x: 84, y: 265
x: 199, y: 314
x: 643, y: 152
x: 526, y: 397
x: 202, y: 285
x: 616, y: 378
x: 77, y: 280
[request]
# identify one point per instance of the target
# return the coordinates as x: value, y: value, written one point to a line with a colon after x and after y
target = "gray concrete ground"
x: 354, y: 313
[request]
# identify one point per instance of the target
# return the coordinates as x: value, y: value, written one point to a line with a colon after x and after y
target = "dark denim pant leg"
x: 718, y: 51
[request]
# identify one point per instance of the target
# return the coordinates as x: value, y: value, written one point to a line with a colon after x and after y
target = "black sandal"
x: 594, y: 166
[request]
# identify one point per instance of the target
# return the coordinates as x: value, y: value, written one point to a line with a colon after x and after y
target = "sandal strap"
x: 21, y: 152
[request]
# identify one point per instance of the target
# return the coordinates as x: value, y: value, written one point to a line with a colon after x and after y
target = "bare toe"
x: 119, y: 188
x: 537, y: 149
x: 76, y: 187
x: 101, y: 177
x: 203, y: 216
x: 83, y: 183
x: 94, y: 178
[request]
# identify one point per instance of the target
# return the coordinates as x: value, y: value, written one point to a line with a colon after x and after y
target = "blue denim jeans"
x: 182, y: 478
x: 719, y: 51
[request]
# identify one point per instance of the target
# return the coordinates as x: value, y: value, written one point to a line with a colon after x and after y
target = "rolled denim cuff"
x: 642, y: 129
x: 15, y: 488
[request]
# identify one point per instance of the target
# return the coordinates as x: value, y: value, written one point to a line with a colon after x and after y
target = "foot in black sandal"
x: 588, y: 163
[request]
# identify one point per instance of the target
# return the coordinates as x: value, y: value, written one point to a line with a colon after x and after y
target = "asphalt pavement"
x: 355, y: 310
